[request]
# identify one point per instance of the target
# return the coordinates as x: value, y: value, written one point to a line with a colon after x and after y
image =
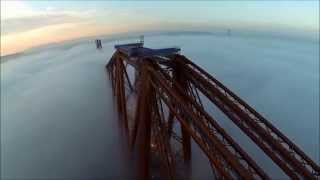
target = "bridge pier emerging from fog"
x: 166, y: 95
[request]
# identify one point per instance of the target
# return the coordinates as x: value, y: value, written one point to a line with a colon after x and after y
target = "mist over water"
x: 58, y: 118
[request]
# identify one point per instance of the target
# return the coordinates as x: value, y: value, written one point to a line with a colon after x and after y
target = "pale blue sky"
x: 302, y: 15
x: 40, y: 22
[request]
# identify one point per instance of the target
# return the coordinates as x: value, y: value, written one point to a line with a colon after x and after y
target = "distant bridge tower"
x: 98, y: 44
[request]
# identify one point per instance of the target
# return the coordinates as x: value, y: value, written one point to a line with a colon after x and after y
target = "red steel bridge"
x: 160, y: 109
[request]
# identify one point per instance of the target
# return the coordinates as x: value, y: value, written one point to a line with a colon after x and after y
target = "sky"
x: 25, y: 24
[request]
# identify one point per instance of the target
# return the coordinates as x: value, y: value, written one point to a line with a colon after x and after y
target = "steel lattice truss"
x: 168, y: 113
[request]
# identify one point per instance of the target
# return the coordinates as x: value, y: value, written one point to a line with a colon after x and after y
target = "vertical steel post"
x: 144, y: 130
x: 186, y: 141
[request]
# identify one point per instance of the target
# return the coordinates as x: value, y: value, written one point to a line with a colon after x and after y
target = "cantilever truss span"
x: 167, y: 89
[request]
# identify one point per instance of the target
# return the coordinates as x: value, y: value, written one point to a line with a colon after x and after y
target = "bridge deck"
x: 137, y: 50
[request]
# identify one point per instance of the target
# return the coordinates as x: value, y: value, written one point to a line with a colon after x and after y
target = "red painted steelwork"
x: 166, y: 93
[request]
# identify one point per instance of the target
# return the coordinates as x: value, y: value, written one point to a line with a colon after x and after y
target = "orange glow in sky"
x: 25, y: 24
x: 16, y: 42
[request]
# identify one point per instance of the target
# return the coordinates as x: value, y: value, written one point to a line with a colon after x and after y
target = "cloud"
x: 265, y: 72
x: 17, y: 17
x: 14, y: 9
x: 22, y: 24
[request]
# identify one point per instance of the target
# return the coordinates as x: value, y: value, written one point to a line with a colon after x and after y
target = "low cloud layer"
x: 58, y: 118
